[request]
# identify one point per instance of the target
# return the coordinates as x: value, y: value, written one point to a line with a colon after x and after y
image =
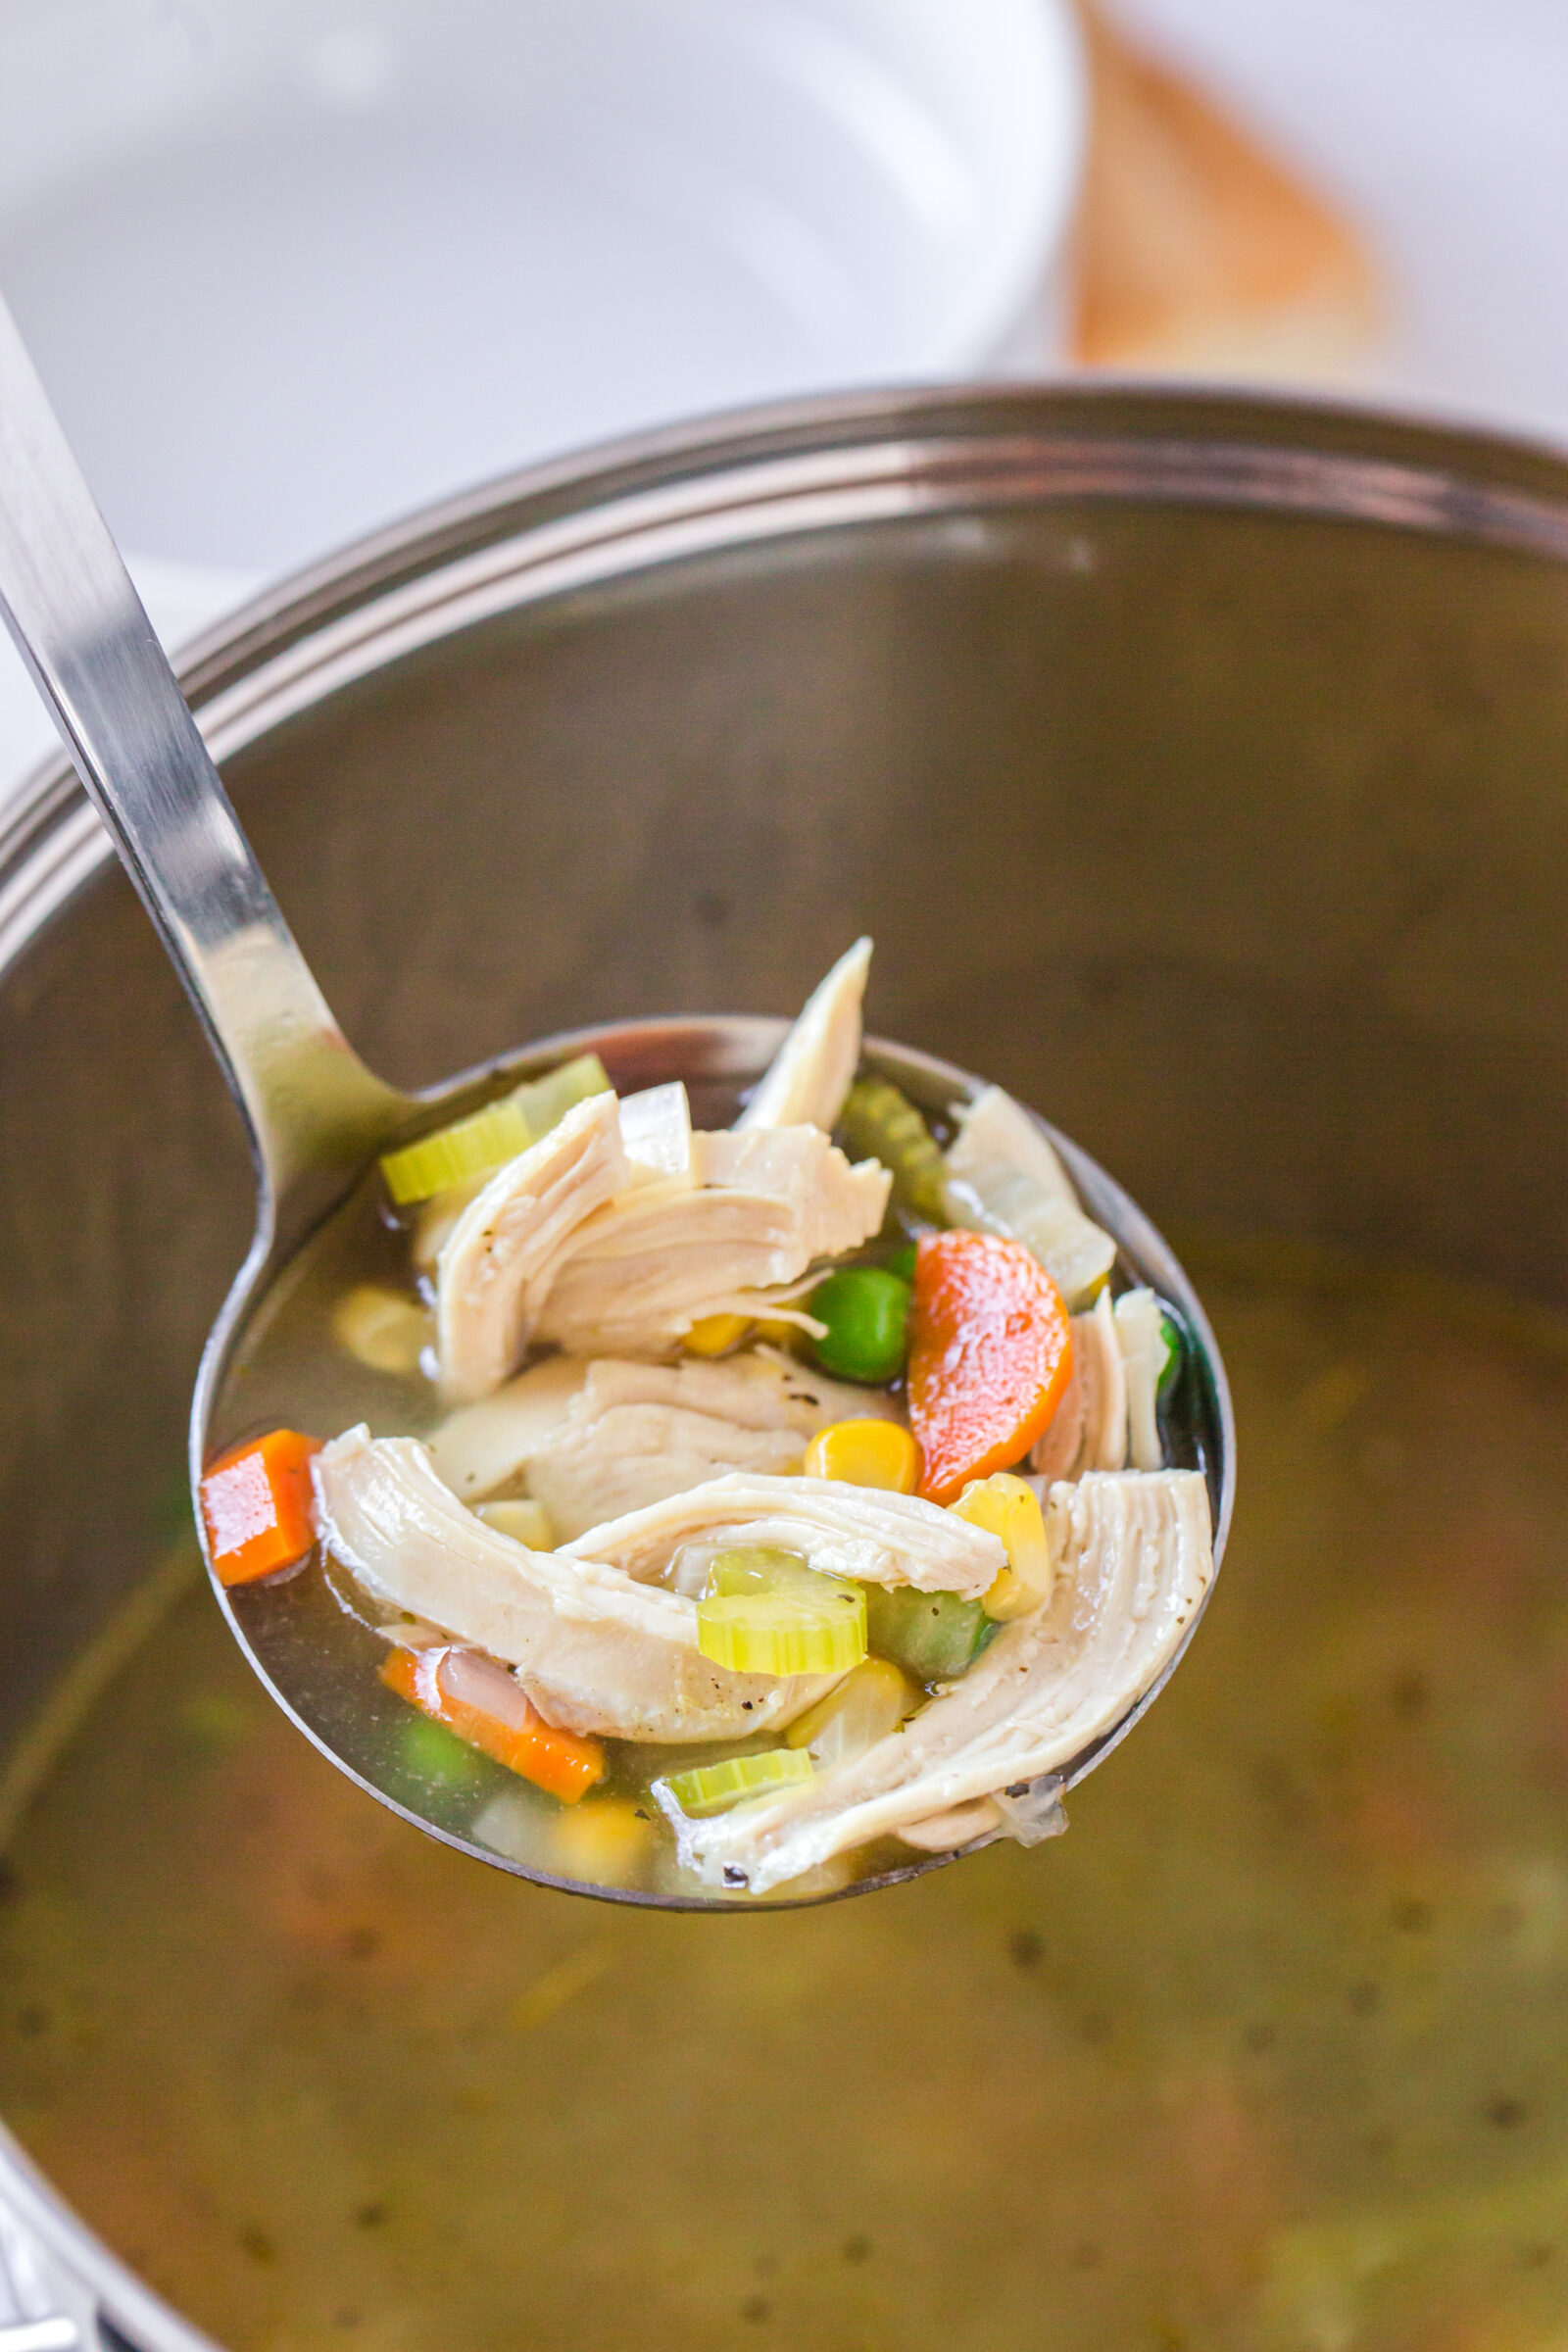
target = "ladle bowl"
x: 316, y: 1115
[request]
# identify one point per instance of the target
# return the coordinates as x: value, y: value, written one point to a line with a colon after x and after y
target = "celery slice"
x: 879, y: 1122
x: 545, y: 1102
x: 476, y: 1146
x: 932, y: 1635
x: 486, y: 1138
x: 781, y: 1634
x: 715, y: 1788
x: 770, y: 1568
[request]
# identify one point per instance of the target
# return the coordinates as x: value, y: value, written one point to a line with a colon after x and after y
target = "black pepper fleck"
x: 756, y: 2307
x: 857, y: 2249
x: 1413, y: 1917
x: 258, y: 2245
x: 1503, y: 2112
x: 734, y: 1875
x: 370, y: 2217
x: 1024, y: 1948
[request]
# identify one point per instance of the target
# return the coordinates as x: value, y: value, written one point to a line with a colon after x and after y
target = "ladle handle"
x: 83, y: 633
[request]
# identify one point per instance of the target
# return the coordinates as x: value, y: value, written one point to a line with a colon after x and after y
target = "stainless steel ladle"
x: 315, y: 1113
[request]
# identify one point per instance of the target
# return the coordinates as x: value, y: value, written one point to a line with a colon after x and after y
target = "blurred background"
x: 291, y: 268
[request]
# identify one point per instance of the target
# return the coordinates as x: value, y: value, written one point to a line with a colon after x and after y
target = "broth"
x: 1270, y: 2054
x: 320, y: 1635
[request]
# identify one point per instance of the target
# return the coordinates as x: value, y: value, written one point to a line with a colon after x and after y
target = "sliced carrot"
x: 990, y: 1354
x: 258, y: 1506
x: 560, y: 1762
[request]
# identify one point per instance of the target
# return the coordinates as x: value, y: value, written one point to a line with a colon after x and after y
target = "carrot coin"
x: 990, y: 1354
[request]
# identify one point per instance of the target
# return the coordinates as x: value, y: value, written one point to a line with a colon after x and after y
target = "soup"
x: 1270, y: 2051
x: 717, y: 1506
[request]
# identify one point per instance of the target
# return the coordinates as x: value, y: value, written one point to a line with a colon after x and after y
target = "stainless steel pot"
x: 1198, y: 763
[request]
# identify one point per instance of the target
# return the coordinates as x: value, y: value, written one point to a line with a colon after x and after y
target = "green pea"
x: 866, y: 1311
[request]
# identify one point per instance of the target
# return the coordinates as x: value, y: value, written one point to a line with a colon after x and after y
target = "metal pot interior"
x: 1197, y: 767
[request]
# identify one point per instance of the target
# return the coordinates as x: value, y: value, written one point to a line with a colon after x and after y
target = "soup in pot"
x: 1268, y: 2054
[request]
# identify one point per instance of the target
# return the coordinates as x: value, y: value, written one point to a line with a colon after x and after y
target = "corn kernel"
x: 385, y: 1329
x: 526, y: 1521
x: 774, y: 1332
x: 865, y: 1454
x: 716, y: 1335
x: 603, y: 1843
x: 1009, y: 1507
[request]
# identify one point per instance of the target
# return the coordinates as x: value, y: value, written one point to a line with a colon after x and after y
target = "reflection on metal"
x: 41, y: 2335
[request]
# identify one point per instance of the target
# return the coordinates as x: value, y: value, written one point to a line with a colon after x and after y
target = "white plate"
x: 292, y: 266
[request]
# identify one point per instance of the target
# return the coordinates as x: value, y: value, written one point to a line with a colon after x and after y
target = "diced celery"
x: 769, y: 1568
x: 476, y: 1146
x: 932, y: 1635
x: 545, y: 1102
x: 715, y: 1788
x: 779, y: 1634
x: 879, y: 1122
x: 866, y: 1707
x: 486, y: 1138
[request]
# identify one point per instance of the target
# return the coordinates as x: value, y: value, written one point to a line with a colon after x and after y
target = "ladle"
x: 316, y: 1115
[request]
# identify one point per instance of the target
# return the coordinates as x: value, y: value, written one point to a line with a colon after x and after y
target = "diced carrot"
x: 258, y: 1506
x: 990, y: 1354
x: 558, y: 1762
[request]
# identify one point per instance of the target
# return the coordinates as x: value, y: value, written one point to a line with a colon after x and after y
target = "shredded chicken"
x: 810, y: 1073
x: 499, y: 1261
x: 594, y: 1650
x: 1134, y: 1560
x: 635, y: 1454
x: 1088, y: 1431
x: 570, y: 1402
x: 859, y: 1531
x: 659, y: 1259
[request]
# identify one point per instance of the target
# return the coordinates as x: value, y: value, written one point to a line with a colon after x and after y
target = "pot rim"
x: 792, y: 469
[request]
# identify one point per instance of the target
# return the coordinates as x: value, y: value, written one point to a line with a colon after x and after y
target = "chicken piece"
x: 1134, y: 1559
x: 810, y: 1075
x: 589, y: 1471
x: 594, y: 1650
x: 860, y: 1531
x: 1088, y: 1431
x: 498, y: 1263
x: 660, y: 1259
x: 489, y: 1447
x: 757, y: 1390
x: 1003, y: 1176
